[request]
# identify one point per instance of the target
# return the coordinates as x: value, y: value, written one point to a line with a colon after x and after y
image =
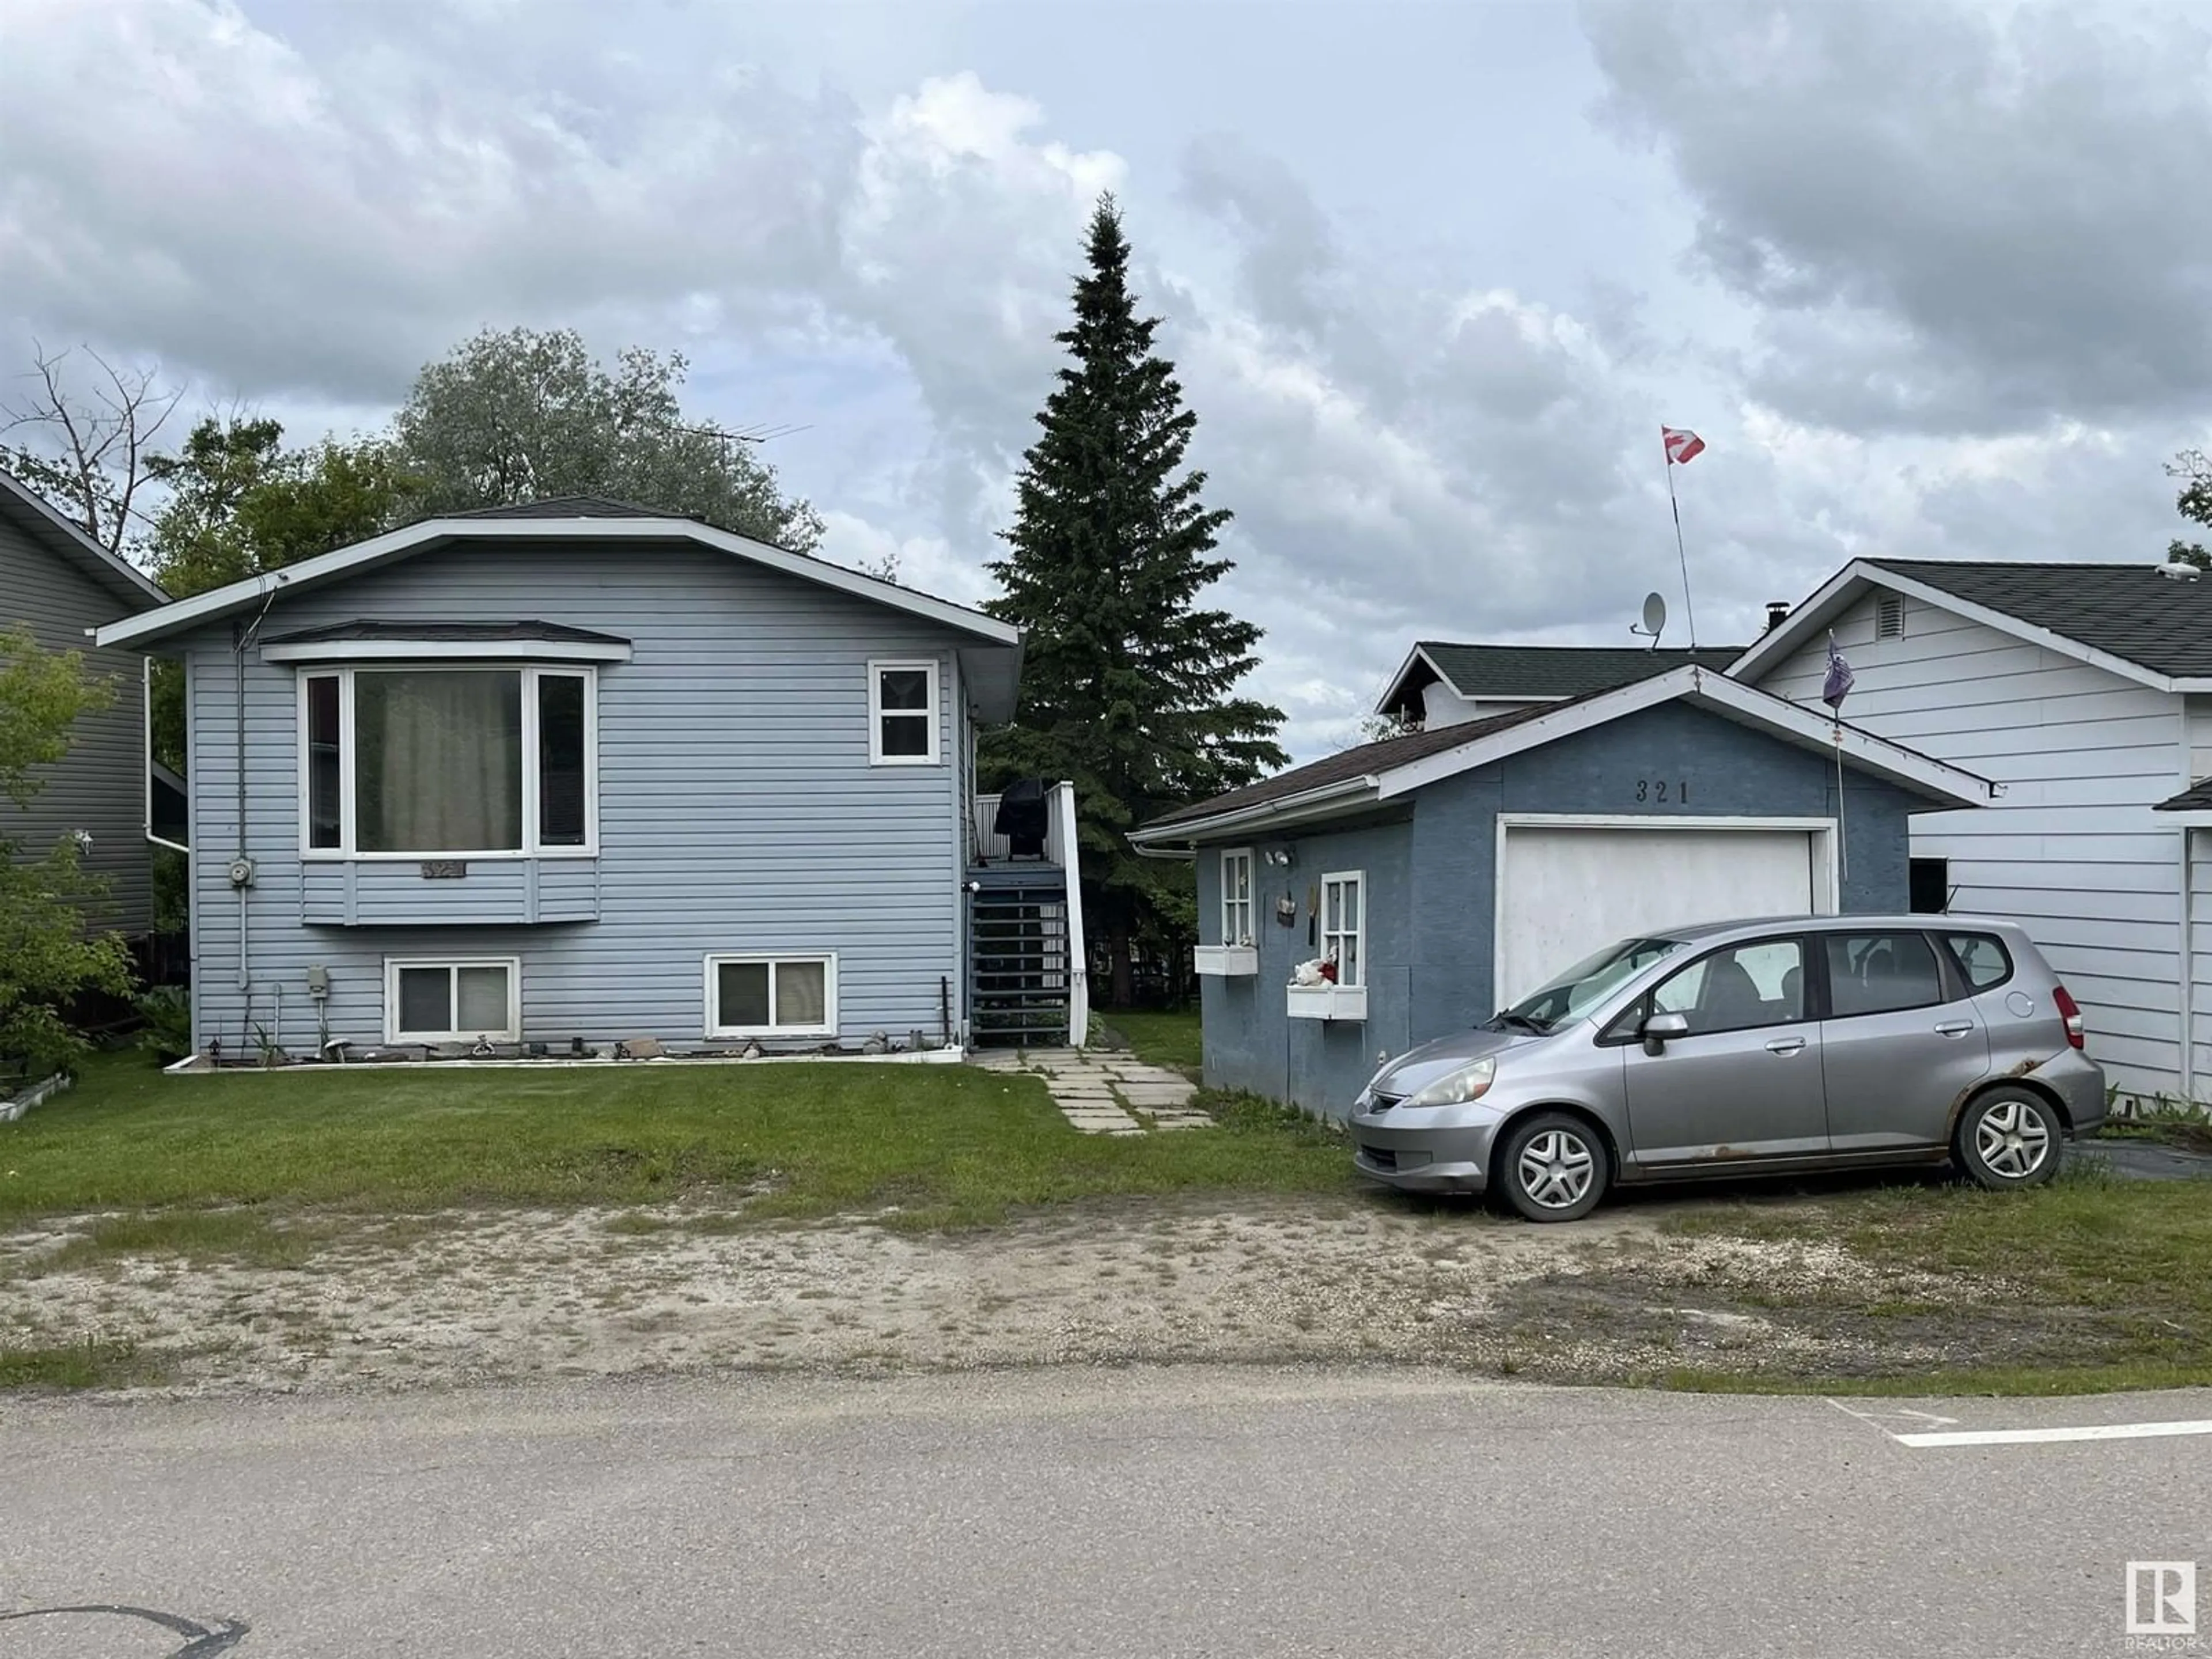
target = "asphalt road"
x: 1188, y: 1511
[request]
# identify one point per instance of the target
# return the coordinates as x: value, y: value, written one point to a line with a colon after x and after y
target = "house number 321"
x: 1662, y: 789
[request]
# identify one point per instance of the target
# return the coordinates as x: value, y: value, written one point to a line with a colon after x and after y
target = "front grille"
x: 1380, y: 1156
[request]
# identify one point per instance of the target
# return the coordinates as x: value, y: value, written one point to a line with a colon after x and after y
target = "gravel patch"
x: 597, y: 1292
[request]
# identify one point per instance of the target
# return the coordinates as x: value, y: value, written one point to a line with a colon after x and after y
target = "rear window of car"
x: 1982, y: 958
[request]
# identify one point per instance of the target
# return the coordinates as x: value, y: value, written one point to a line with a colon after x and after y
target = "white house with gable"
x: 2084, y: 691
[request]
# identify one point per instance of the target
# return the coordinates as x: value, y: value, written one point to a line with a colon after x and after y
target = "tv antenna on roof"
x: 1655, y: 620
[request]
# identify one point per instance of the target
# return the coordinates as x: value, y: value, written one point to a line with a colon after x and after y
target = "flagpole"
x: 1843, y: 836
x: 1689, y: 610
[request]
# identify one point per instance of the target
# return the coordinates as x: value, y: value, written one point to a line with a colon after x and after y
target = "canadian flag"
x: 1682, y: 447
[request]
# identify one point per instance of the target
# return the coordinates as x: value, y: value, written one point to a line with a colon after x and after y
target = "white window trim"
x: 827, y: 1028
x: 512, y: 1033
x: 347, y: 852
x: 1346, y: 878
x: 877, y: 667
x: 1251, y: 933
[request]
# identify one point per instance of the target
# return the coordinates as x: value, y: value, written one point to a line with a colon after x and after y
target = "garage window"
x: 1740, y: 988
x: 1344, y: 924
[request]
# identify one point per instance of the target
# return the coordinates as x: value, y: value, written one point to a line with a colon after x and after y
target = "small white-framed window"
x: 779, y: 994
x: 1344, y: 924
x: 480, y: 761
x: 903, y: 715
x: 452, y: 998
x: 1236, y: 895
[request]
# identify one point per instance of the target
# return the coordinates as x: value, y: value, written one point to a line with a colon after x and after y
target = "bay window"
x: 411, y: 762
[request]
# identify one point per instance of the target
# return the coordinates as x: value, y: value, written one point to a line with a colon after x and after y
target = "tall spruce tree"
x: 1126, y: 686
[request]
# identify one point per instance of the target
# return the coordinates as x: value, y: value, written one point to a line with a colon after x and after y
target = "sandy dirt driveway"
x: 481, y: 1296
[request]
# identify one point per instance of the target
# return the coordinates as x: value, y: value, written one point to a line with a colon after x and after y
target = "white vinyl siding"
x: 2070, y: 848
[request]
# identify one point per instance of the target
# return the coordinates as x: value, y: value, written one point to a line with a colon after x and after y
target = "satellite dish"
x: 1655, y: 619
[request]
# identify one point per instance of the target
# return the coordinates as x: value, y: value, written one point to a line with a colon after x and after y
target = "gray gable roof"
x: 566, y: 507
x: 1559, y: 671
x: 2197, y: 798
x: 31, y: 513
x: 1354, y: 762
x: 468, y: 633
x: 2126, y: 610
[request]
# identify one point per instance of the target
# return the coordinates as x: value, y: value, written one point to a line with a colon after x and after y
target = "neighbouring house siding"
x: 100, y: 786
x: 1432, y: 892
x: 737, y: 811
x: 2070, y: 849
x: 2199, y: 844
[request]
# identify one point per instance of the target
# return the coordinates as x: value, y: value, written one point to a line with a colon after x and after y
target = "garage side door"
x: 1567, y: 892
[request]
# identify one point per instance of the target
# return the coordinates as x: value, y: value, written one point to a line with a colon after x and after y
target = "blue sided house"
x: 1446, y: 874
x: 576, y: 772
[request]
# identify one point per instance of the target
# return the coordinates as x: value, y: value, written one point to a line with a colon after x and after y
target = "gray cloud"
x: 302, y: 206
x: 1950, y: 220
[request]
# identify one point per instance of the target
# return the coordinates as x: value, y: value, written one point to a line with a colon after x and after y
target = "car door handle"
x: 1954, y: 1028
x: 1785, y: 1045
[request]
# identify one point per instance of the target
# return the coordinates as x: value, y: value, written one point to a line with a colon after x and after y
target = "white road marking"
x: 2037, y: 1436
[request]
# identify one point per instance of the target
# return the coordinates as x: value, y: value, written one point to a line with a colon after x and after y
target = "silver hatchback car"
x: 1745, y: 1048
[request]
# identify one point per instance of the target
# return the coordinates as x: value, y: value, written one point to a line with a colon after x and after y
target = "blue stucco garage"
x: 1449, y: 871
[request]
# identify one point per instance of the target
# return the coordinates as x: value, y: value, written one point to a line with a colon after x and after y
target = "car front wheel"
x: 2010, y: 1138
x: 1553, y: 1167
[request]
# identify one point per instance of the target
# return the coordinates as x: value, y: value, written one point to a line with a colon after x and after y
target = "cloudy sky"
x: 1932, y: 280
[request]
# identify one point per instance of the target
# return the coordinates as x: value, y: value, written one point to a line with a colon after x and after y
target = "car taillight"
x: 2070, y: 1011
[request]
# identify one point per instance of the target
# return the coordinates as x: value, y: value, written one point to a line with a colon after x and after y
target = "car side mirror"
x: 1659, y: 1027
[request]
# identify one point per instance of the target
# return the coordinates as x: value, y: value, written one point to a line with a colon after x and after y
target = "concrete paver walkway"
x: 1102, y: 1092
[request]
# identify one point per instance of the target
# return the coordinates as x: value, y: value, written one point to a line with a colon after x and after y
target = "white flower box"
x: 1229, y: 961
x: 1327, y: 1001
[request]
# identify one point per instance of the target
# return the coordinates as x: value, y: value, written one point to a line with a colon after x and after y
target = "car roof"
x: 1703, y: 932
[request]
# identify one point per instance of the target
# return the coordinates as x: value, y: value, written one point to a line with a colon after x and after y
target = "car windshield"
x: 1583, y: 986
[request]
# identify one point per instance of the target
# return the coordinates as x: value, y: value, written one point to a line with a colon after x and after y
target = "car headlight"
x: 1468, y: 1083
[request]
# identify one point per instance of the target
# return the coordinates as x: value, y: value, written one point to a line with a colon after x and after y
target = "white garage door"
x: 1565, y: 892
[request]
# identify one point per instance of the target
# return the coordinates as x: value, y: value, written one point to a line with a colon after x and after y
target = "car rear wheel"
x: 2010, y: 1138
x: 1553, y: 1167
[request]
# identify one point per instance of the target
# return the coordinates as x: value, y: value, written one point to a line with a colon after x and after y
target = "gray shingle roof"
x: 1355, y: 762
x: 470, y: 633
x: 2197, y: 798
x: 1560, y: 670
x: 2126, y: 610
x: 566, y: 507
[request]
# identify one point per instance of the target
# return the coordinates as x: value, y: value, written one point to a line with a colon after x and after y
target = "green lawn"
x: 2094, y: 1283
x: 1165, y: 1039
x: 947, y: 1145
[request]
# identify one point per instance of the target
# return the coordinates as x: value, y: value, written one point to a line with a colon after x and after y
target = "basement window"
x: 454, y: 1001
x: 749, y: 996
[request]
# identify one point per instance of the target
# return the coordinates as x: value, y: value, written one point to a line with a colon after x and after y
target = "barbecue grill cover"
x: 1021, y: 818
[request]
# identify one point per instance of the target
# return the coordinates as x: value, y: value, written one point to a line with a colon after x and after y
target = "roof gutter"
x: 1271, y: 811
